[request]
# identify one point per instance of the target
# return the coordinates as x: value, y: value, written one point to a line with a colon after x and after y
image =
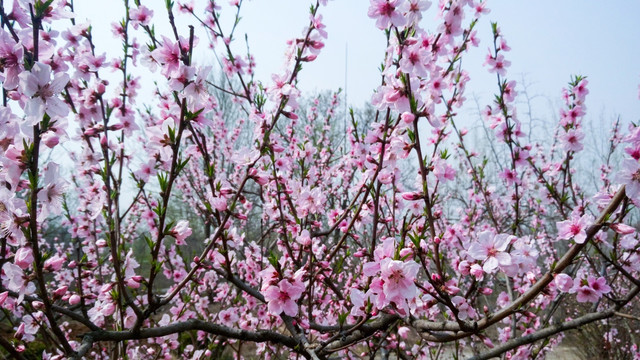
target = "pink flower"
x: 585, y: 293
x: 219, y: 203
x: 23, y: 257
x: 43, y: 92
x: 50, y: 195
x: 310, y: 201
x: 245, y: 156
x: 403, y: 331
x: 574, y: 228
x: 20, y: 331
x: 359, y: 301
x: 509, y: 176
x: 259, y: 177
x: 509, y: 91
x: 415, y: 8
x: 399, y: 277
x: 181, y: 77
x: 146, y: 170
x: 476, y: 271
x: 13, y: 277
x: 140, y: 16
x: 386, y: 13
x: 598, y: 285
x: 630, y: 177
x: 571, y: 140
x: 283, y: 297
x: 181, y: 231
x: 304, y: 238
x: 491, y: 248
x: 563, y: 282
x: 592, y: 290
x: 571, y: 116
x: 414, y: 59
x: 228, y: 316
x: 169, y: 56
x: 498, y: 64
x: 100, y: 310
x: 464, y: 310
x: 443, y: 171
x: 581, y: 90
x: 198, y: 90
x: 11, y: 54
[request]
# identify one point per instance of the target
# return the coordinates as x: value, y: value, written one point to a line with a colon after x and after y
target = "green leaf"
x: 415, y: 239
x: 273, y: 259
x: 148, y: 241
x: 162, y: 180
x: 159, y: 266
x: 494, y: 27
x: 342, y: 318
x: 167, y: 228
x: 182, y: 164
x: 412, y: 135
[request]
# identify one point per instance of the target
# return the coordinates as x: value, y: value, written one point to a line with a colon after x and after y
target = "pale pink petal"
x: 56, y: 107
x: 503, y: 258
x: 490, y: 264
x: 42, y: 73
x: 28, y: 83
x: 59, y: 82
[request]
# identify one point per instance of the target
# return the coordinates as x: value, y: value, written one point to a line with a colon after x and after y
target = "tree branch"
x: 534, y: 290
x: 552, y: 330
x: 194, y: 324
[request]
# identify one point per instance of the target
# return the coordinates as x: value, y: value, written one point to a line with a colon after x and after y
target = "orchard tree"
x: 392, y: 237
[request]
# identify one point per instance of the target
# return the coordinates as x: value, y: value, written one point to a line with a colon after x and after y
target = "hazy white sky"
x: 550, y: 41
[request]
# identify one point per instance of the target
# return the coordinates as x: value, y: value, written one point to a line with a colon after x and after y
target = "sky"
x: 550, y: 41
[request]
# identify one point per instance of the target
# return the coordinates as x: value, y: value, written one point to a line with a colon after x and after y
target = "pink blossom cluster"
x: 230, y: 210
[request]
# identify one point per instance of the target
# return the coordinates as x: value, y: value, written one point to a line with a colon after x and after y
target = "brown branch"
x: 365, y: 331
x: 87, y: 344
x: 552, y: 330
x: 537, y: 288
x: 193, y: 324
x: 10, y: 349
x: 544, y: 333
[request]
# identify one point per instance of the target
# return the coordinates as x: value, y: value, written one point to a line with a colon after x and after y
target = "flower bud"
x: 486, y: 291
x: 74, y: 299
x: 412, y: 196
x: 50, y: 139
x: 60, y: 291
x: 622, y: 229
x: 408, y: 117
x: 20, y: 332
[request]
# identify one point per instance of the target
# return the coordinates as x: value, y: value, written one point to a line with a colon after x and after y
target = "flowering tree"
x: 301, y: 244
